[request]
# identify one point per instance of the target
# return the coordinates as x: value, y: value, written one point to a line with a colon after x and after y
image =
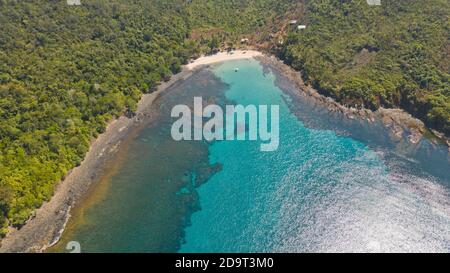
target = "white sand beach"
x: 222, y: 57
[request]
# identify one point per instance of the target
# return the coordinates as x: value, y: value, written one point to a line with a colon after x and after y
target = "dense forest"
x: 65, y: 71
x: 393, y: 55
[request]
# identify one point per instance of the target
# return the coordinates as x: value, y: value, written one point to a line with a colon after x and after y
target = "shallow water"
x: 333, y: 185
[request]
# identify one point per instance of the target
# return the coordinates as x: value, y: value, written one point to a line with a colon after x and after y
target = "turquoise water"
x: 241, y: 205
x: 300, y: 197
x: 330, y: 186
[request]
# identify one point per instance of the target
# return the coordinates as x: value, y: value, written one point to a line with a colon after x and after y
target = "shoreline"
x: 46, y: 227
x: 48, y: 222
x: 222, y: 57
x: 398, y: 122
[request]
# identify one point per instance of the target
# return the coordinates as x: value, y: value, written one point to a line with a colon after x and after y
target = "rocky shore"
x: 400, y: 123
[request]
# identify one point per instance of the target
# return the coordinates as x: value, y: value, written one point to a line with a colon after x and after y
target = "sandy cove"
x: 223, y: 56
x: 47, y: 224
x: 45, y: 228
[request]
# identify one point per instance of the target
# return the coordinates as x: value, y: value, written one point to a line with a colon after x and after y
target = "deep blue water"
x: 330, y: 186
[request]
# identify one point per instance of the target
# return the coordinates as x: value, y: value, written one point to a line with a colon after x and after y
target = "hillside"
x: 393, y: 55
x: 65, y: 71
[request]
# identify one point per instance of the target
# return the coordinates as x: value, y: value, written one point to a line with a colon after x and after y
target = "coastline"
x: 45, y: 228
x: 398, y: 122
x: 222, y: 57
x: 47, y: 224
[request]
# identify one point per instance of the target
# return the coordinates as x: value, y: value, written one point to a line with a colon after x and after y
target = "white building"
x: 374, y: 2
x: 74, y: 2
x: 244, y: 41
x: 301, y: 27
